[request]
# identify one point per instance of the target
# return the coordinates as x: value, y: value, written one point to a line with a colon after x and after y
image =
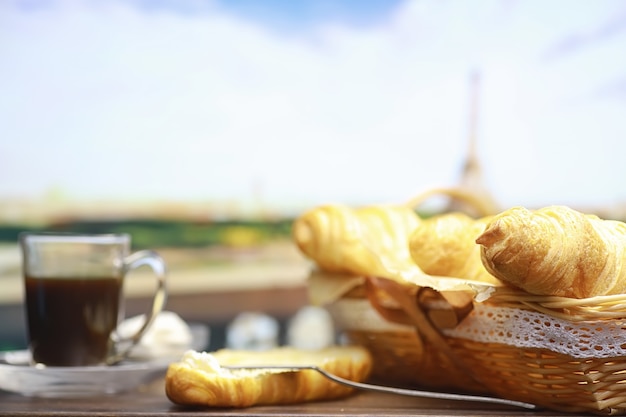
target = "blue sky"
x: 311, y: 102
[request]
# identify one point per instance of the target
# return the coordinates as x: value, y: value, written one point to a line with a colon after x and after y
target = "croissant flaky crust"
x: 556, y: 251
x: 198, y: 379
x: 445, y: 245
x: 363, y: 241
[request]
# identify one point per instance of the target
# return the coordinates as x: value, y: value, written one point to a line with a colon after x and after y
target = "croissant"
x: 200, y: 379
x: 445, y: 245
x: 556, y: 251
x: 364, y: 241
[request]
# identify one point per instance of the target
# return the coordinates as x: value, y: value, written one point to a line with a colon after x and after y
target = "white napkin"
x: 168, y: 336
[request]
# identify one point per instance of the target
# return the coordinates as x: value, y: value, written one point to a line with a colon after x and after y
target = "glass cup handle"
x: 157, y: 264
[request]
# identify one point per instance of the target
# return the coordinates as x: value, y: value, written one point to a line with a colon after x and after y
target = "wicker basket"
x: 410, y: 332
x: 404, y: 356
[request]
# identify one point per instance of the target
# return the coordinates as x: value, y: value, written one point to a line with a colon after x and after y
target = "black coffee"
x: 70, y: 320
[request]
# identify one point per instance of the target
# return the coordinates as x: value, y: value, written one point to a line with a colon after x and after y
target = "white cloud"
x: 109, y: 99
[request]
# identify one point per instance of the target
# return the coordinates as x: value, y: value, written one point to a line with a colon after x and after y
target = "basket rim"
x: 602, y: 307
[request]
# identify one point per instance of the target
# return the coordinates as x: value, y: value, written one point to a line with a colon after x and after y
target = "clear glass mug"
x: 74, y: 296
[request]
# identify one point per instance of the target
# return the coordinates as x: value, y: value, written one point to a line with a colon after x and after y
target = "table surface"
x: 150, y: 400
x: 195, y: 303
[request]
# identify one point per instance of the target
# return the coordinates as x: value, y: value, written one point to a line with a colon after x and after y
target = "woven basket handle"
x: 481, y: 203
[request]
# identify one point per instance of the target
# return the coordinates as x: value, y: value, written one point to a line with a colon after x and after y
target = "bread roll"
x: 199, y: 380
x: 556, y: 251
x: 445, y: 245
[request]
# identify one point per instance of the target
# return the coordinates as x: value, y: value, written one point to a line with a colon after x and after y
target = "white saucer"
x: 17, y: 375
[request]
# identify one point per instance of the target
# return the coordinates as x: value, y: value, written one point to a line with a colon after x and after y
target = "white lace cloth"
x: 509, y: 326
x: 529, y: 329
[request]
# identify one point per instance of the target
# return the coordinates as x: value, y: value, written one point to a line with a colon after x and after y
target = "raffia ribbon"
x: 427, y: 310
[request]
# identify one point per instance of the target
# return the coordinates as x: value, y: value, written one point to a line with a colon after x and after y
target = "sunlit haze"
x: 301, y: 106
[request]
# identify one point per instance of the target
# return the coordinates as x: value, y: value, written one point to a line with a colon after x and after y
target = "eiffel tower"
x: 470, y: 195
x: 477, y: 200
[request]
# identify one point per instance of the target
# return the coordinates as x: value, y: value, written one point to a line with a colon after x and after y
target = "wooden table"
x: 199, y: 298
x: 150, y: 400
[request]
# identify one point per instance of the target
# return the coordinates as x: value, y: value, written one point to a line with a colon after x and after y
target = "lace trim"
x: 529, y: 329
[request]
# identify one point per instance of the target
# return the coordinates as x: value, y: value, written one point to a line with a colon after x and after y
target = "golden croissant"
x: 200, y: 379
x: 556, y: 251
x: 445, y: 245
x: 364, y: 241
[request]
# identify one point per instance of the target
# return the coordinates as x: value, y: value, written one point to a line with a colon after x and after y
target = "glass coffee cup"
x: 74, y: 296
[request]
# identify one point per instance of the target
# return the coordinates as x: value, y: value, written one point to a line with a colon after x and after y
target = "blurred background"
x: 203, y: 127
